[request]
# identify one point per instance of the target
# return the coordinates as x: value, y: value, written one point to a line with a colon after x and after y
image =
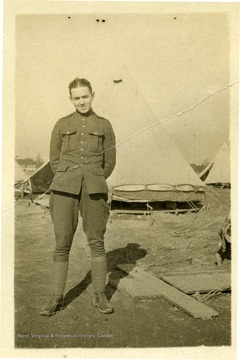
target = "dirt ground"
x: 136, y: 322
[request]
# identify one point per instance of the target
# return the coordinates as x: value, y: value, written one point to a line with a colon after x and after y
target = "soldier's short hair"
x: 78, y: 83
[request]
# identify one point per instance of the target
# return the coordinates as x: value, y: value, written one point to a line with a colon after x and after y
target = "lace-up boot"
x: 101, y: 302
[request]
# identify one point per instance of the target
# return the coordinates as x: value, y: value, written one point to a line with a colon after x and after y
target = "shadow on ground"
x: 127, y: 255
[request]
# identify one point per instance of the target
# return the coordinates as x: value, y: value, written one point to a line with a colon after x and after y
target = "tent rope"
x: 220, y: 202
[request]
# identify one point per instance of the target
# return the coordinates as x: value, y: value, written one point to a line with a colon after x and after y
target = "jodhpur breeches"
x: 64, y: 210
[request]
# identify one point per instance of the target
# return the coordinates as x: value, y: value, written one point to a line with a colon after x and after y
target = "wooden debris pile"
x: 174, y: 287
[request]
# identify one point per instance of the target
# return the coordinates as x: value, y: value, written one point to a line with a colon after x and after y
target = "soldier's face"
x: 82, y: 99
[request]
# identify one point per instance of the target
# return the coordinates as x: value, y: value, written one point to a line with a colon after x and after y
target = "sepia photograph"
x: 124, y: 184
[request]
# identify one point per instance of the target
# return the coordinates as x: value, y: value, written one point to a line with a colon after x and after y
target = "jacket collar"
x: 88, y: 114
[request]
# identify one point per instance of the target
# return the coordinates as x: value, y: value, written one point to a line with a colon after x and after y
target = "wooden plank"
x: 126, y: 268
x: 176, y: 297
x: 191, y: 283
x: 133, y: 287
x: 127, y: 283
x: 210, y: 271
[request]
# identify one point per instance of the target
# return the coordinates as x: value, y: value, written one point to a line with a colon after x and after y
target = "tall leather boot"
x: 99, y: 272
x: 55, y: 303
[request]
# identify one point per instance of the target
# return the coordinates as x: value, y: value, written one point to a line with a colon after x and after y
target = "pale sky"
x: 176, y: 60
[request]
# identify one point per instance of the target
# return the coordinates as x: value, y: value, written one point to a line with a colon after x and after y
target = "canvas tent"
x: 218, y: 171
x: 40, y: 180
x: 149, y: 166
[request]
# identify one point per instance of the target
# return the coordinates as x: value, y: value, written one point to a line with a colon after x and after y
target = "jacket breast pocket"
x: 68, y: 139
x: 95, y: 141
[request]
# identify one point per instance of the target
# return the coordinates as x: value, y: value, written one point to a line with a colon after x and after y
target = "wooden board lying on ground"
x: 132, y: 286
x: 157, y: 287
x: 201, y: 282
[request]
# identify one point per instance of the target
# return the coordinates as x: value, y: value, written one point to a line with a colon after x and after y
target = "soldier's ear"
x: 93, y: 95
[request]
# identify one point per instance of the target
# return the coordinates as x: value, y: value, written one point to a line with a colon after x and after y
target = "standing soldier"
x: 82, y: 156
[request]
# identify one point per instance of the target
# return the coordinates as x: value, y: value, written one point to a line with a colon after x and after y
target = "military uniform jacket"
x: 82, y: 147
